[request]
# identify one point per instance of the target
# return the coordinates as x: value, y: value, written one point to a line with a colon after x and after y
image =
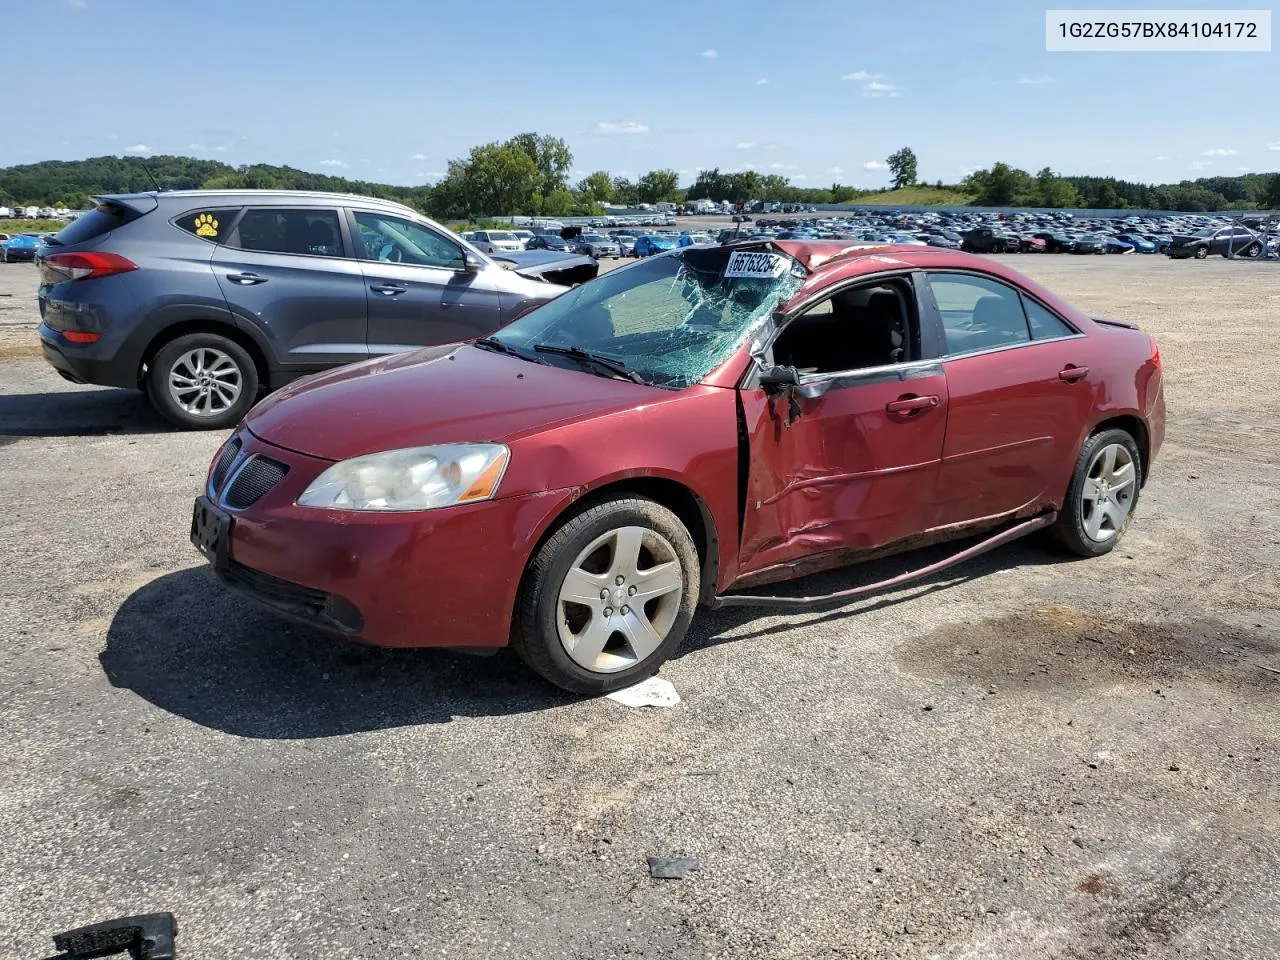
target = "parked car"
x: 22, y: 246
x: 598, y: 246
x: 549, y: 241
x: 495, y: 241
x: 580, y: 482
x: 983, y: 240
x: 203, y: 298
x: 1140, y: 244
x: 1241, y: 241
x: 650, y: 243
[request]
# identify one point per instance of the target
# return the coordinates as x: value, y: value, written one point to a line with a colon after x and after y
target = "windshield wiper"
x: 615, y: 367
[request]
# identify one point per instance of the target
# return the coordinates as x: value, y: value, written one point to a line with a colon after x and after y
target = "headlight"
x: 419, y: 478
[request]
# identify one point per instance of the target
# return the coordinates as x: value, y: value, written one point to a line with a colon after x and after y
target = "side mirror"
x: 775, y: 378
x: 471, y: 263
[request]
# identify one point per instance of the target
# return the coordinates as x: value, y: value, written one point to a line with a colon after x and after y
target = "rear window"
x: 310, y: 232
x: 212, y: 225
x: 101, y: 219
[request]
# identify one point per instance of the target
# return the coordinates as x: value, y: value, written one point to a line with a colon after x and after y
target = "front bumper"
x: 436, y: 578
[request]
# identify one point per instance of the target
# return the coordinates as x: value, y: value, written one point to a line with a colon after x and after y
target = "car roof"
x: 302, y: 198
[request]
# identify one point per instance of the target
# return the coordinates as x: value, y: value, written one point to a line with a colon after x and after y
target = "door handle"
x: 388, y: 289
x: 246, y: 279
x: 1071, y: 373
x: 911, y: 404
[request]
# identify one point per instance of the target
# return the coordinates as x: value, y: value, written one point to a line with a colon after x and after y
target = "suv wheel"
x: 202, y: 381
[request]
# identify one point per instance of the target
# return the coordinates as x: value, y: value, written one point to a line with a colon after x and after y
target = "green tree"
x: 624, y: 192
x: 1271, y: 198
x: 657, y: 185
x: 1053, y: 191
x: 597, y: 186
x: 902, y: 167
x: 550, y: 155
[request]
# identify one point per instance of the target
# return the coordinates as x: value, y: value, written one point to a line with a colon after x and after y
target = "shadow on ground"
x: 189, y: 646
x: 82, y: 413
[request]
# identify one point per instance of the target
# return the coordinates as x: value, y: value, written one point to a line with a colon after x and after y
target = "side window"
x: 309, y: 232
x: 396, y: 240
x: 1045, y: 324
x: 213, y: 225
x: 855, y: 329
x: 977, y: 313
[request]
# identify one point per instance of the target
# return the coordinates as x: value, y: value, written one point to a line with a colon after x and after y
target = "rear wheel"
x: 1102, y: 495
x: 608, y: 597
x: 202, y: 381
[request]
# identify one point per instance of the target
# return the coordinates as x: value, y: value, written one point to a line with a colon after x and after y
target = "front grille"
x: 326, y: 610
x: 253, y: 480
x: 229, y: 454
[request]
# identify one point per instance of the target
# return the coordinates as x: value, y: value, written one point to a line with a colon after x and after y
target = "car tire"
x: 230, y: 384
x: 627, y: 539
x: 1093, y: 518
x: 1201, y: 252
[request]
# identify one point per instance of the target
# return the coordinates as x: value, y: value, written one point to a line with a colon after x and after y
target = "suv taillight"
x: 87, y: 265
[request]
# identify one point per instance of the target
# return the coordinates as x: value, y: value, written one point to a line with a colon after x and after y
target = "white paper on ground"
x: 654, y: 692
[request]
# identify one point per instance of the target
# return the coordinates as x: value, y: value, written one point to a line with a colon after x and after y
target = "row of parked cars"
x: 629, y: 242
x: 1186, y: 236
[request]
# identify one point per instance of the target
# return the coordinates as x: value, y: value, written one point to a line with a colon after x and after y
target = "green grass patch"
x: 917, y: 196
x: 12, y: 227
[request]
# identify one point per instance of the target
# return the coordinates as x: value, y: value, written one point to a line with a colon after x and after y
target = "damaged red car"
x: 682, y: 432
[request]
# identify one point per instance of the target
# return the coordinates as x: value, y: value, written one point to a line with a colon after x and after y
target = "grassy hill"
x: 918, y: 195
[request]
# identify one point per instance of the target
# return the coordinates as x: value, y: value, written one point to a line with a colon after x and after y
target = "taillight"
x: 87, y: 265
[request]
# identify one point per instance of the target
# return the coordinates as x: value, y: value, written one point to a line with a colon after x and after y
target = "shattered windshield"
x: 670, y: 319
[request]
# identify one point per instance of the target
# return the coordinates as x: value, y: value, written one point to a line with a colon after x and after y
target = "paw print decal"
x: 206, y: 225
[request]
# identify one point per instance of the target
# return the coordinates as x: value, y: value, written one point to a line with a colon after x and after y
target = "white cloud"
x: 861, y: 75
x: 138, y: 148
x: 418, y: 156
x: 1035, y: 81
x: 873, y: 165
x: 1220, y: 152
x: 711, y: 54
x: 1164, y: 158
x: 1274, y: 145
x: 332, y: 163
x: 1199, y: 164
x: 762, y: 81
x: 747, y: 145
x: 629, y: 126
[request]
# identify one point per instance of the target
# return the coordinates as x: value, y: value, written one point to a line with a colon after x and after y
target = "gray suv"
x: 204, y: 298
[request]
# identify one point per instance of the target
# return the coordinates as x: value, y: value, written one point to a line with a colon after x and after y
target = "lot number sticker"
x: 762, y: 265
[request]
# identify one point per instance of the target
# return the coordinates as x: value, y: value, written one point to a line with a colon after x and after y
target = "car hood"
x: 451, y: 394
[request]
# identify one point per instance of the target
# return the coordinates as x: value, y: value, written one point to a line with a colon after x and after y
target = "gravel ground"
x: 1026, y: 758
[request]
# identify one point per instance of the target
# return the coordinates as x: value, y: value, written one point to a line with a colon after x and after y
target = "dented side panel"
x: 846, y: 474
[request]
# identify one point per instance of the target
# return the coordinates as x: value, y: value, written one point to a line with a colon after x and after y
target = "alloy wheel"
x: 1108, y: 492
x: 619, y: 599
x: 205, y: 382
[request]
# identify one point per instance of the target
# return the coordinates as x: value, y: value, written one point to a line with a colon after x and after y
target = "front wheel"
x: 202, y: 381
x: 608, y: 597
x: 1103, y: 492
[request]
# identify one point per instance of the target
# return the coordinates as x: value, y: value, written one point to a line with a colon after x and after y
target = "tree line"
x: 529, y: 174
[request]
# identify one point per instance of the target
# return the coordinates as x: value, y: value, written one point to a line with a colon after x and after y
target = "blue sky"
x: 389, y: 90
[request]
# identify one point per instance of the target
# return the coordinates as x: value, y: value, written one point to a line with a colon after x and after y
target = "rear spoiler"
x: 1108, y: 322
x: 136, y: 204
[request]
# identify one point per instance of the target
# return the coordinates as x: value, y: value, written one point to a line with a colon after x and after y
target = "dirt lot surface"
x: 1027, y: 758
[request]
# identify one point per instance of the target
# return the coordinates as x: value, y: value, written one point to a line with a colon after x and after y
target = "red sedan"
x: 680, y: 432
